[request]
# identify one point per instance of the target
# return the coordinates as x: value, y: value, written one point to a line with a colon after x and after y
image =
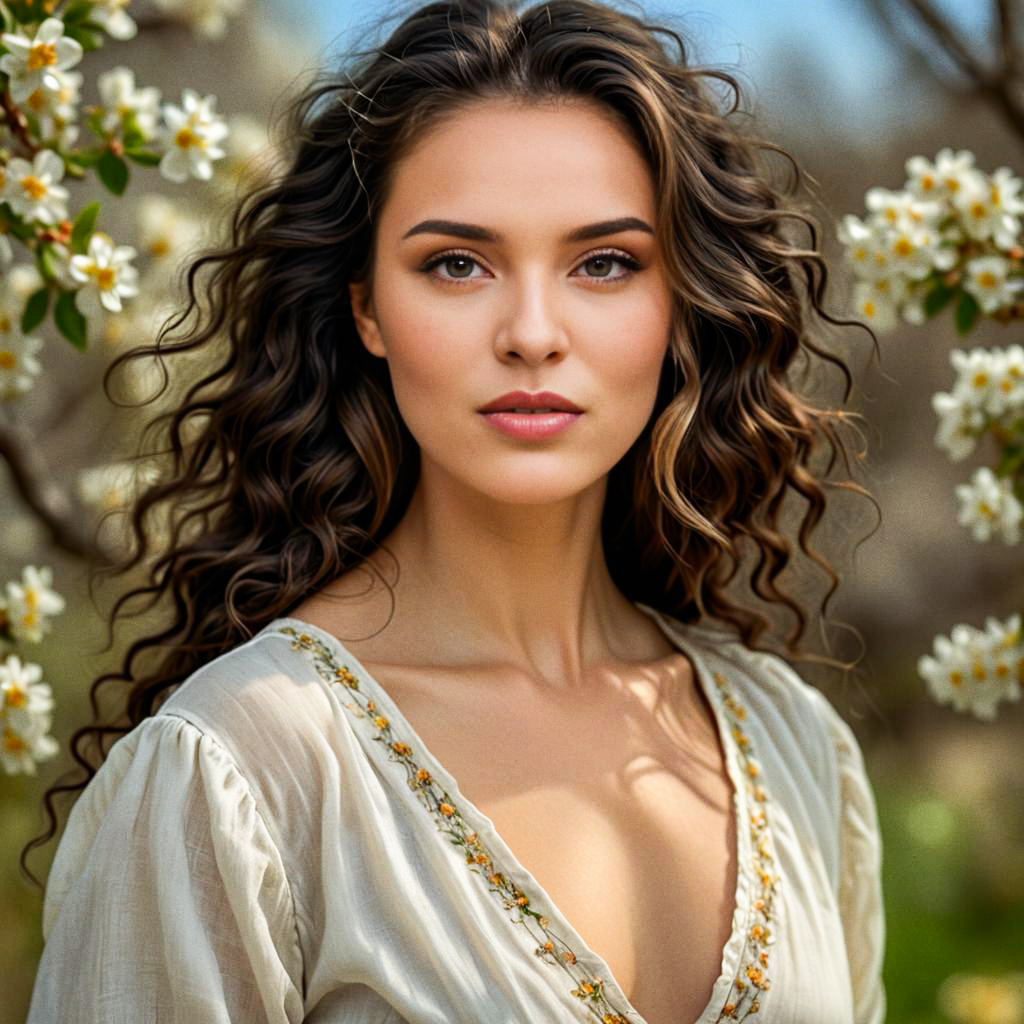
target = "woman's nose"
x: 531, y: 326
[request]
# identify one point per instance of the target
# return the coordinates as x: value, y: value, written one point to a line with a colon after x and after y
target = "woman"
x: 515, y: 323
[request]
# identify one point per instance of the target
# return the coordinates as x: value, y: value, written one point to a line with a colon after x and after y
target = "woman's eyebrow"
x: 476, y: 233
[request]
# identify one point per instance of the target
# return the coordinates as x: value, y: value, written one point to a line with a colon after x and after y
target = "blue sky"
x: 859, y: 67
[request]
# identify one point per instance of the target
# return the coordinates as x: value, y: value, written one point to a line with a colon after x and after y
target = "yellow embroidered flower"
x: 380, y: 721
x: 446, y: 809
x: 423, y: 776
x: 401, y: 748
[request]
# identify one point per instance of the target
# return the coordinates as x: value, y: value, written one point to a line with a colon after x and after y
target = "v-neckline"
x: 513, y: 867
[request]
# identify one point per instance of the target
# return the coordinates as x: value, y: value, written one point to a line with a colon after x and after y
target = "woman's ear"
x: 365, y: 317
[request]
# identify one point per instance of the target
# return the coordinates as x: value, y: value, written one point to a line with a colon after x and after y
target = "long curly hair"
x: 287, y: 461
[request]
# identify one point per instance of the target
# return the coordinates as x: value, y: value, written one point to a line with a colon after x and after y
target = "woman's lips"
x: 531, y: 425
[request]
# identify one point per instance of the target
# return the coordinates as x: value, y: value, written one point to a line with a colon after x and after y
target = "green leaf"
x: 85, y: 224
x: 89, y: 157
x: 967, y: 312
x: 69, y: 320
x: 938, y: 298
x: 94, y: 119
x: 144, y: 157
x: 6, y: 17
x: 1012, y: 460
x: 35, y: 310
x: 88, y: 37
x: 45, y: 261
x: 76, y: 12
x: 132, y: 135
x: 113, y: 172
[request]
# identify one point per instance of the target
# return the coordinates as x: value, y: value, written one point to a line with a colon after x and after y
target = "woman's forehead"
x: 499, y: 161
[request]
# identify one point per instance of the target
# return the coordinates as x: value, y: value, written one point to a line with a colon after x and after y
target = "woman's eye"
x: 451, y: 260
x: 460, y: 266
x: 606, y: 259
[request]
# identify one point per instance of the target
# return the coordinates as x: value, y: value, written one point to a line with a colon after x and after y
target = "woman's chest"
x: 624, y: 817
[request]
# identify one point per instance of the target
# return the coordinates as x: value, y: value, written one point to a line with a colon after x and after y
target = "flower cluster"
x: 974, y: 669
x: 87, y: 270
x: 26, y: 703
x: 951, y: 233
x: 988, y: 506
x: 987, y: 395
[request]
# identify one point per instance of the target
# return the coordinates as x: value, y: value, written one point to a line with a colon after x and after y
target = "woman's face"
x: 511, y: 302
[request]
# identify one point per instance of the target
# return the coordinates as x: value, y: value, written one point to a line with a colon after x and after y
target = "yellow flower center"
x: 986, y: 279
x: 34, y: 186
x: 42, y: 55
x: 16, y: 697
x: 13, y: 742
x: 8, y: 361
x: 187, y: 138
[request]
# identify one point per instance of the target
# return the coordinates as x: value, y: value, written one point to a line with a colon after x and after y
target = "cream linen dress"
x: 277, y: 845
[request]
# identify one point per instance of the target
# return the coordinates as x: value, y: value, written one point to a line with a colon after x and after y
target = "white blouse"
x: 276, y: 844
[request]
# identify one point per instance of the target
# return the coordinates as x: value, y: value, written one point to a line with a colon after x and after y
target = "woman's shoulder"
x: 255, y: 690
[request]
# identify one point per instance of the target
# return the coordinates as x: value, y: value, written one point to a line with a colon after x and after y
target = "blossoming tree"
x: 951, y: 239
x: 61, y: 273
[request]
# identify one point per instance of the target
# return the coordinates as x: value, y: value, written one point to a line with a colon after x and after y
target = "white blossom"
x: 166, y: 230
x: 989, y: 507
x: 26, y: 704
x: 120, y: 96
x: 31, y: 62
x: 917, y: 250
x: 32, y: 189
x: 960, y: 425
x: 29, y: 602
x: 115, y: 20
x: 988, y: 280
x: 207, y: 18
x: 977, y: 375
x: 18, y: 363
x: 902, y: 209
x: 57, y: 109
x: 22, y: 693
x: 876, y: 302
x: 190, y: 138
x: 113, y: 486
x: 867, y: 247
x: 988, y: 207
x: 105, y: 274
x: 942, y: 179
x: 1007, y: 391
x: 973, y: 669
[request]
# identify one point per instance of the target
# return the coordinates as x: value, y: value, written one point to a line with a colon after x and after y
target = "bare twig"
x: 47, y: 500
x: 997, y: 83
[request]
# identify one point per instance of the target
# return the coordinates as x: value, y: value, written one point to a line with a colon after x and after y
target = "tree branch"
x: 44, y: 497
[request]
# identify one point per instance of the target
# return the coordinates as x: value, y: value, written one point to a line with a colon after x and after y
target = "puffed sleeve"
x: 860, y: 883
x: 167, y: 898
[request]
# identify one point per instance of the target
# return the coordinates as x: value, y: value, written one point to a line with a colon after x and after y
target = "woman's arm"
x: 167, y: 898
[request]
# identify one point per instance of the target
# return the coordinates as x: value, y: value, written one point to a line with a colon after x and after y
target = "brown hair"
x: 289, y: 462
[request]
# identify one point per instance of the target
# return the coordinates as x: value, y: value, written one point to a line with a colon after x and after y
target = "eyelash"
x: 617, y: 256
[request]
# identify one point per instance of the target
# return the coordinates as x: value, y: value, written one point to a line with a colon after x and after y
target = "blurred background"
x: 851, y: 88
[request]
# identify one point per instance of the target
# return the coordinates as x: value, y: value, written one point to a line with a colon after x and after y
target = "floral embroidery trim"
x: 744, y: 997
